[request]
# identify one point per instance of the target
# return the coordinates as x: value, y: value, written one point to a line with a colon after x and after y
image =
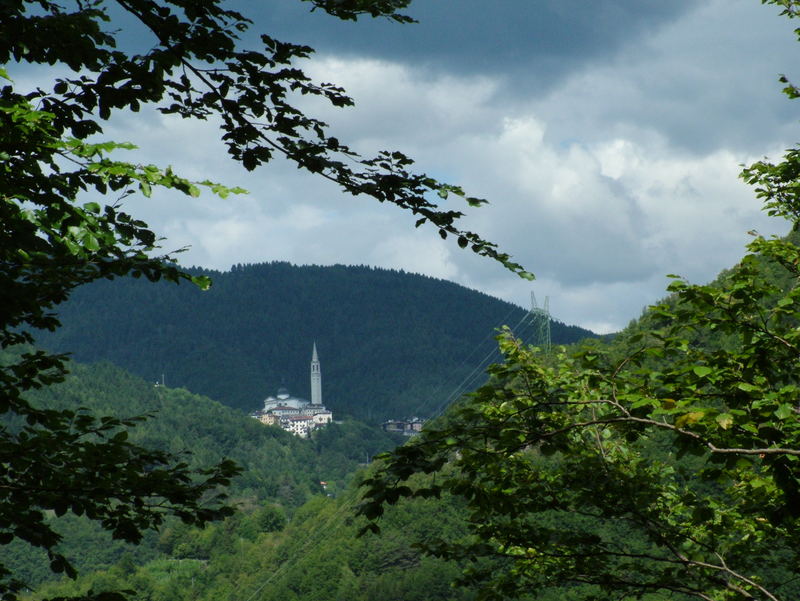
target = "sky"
x: 606, y: 135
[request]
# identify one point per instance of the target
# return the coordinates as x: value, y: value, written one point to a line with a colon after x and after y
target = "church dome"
x: 283, y: 393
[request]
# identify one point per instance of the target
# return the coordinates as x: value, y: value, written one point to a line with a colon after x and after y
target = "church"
x: 296, y: 415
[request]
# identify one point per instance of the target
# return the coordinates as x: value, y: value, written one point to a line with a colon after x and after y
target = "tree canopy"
x: 661, y: 465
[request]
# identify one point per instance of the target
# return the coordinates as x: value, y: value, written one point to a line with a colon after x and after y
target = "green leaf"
x: 702, y: 370
x: 90, y: 242
x: 689, y: 418
x: 725, y: 420
x: 202, y: 281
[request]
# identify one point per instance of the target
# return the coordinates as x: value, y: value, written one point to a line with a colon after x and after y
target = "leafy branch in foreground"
x: 195, y: 68
x: 665, y: 464
x: 59, y: 461
x: 652, y: 465
x: 70, y: 461
x: 55, y: 235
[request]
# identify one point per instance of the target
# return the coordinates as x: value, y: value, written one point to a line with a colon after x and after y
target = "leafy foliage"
x: 68, y: 460
x: 279, y: 472
x: 316, y: 556
x: 663, y: 464
x: 52, y: 240
x: 195, y: 68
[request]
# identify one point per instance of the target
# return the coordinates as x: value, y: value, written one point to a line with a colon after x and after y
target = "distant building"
x: 299, y: 425
x: 296, y: 415
x: 268, y: 419
x: 407, y: 427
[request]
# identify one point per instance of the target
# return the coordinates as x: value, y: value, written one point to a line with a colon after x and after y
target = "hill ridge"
x: 387, y: 339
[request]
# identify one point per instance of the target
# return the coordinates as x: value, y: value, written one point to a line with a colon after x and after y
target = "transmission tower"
x: 540, y: 323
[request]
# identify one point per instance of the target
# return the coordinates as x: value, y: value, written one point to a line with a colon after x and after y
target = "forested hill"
x: 277, y: 466
x: 391, y: 343
x: 278, y: 469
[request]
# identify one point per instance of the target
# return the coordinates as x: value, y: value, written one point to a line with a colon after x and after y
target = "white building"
x: 296, y: 415
x: 299, y: 425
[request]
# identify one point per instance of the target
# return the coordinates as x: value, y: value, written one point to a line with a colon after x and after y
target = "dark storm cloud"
x: 705, y: 82
x: 542, y: 37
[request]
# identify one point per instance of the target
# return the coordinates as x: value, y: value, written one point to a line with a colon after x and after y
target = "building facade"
x: 294, y: 414
x: 406, y: 427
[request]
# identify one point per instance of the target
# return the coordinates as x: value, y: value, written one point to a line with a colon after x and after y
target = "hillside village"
x: 294, y: 414
x: 301, y: 417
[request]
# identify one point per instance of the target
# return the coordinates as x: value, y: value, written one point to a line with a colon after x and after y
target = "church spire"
x: 316, y: 378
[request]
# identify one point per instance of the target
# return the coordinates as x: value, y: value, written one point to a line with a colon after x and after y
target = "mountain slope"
x: 277, y: 467
x: 391, y: 344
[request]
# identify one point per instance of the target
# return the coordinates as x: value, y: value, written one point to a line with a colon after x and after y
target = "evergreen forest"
x: 392, y: 344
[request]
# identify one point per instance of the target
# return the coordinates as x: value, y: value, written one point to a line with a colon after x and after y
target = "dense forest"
x: 280, y: 472
x: 290, y: 540
x: 240, y: 340
x: 316, y: 555
x: 392, y: 344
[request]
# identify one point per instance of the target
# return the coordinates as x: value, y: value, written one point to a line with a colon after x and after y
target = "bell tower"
x: 316, y: 378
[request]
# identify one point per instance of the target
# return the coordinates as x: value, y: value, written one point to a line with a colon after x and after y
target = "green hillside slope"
x: 277, y: 468
x: 392, y: 344
x: 316, y: 557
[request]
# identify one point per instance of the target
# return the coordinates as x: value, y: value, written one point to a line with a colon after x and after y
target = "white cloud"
x: 600, y: 222
x: 703, y: 81
x: 623, y: 172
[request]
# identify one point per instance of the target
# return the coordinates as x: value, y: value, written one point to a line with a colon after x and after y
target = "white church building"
x: 293, y: 414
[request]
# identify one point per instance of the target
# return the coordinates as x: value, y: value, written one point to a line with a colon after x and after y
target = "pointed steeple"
x: 316, y: 378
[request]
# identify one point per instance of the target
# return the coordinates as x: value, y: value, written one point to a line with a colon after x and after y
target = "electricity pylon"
x: 540, y: 323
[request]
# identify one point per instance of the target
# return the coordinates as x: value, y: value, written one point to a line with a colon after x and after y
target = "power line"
x: 467, y: 381
x: 464, y: 361
x: 309, y: 539
x: 540, y: 321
